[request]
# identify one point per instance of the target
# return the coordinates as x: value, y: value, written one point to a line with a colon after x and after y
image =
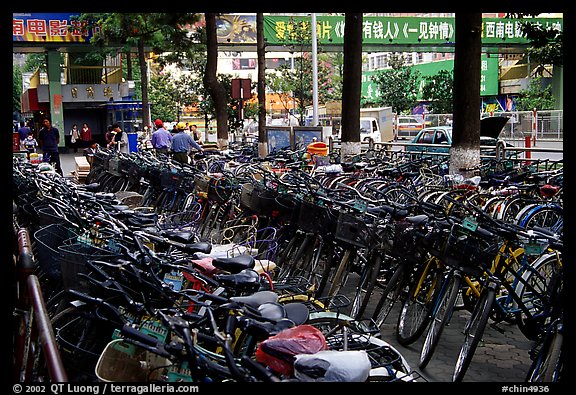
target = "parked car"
x: 408, y: 126
x: 441, y: 137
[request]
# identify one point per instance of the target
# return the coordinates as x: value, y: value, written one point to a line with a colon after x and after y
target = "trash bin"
x: 133, y: 142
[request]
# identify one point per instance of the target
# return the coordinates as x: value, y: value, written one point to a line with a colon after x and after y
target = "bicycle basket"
x: 47, y: 240
x: 246, y: 196
x: 48, y: 215
x: 74, y: 258
x: 201, y: 184
x: 219, y: 190
x: 353, y: 229
x: 405, y: 240
x: 263, y: 201
x: 121, y: 361
x: 114, y: 166
x: 130, y: 198
x: 469, y: 250
x: 184, y: 219
x: 317, y: 218
x: 169, y: 179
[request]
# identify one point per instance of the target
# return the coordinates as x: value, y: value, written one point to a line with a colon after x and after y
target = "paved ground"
x: 501, y: 357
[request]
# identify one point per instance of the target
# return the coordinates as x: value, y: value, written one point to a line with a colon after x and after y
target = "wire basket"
x: 185, y: 219
x: 287, y: 208
x: 468, y: 250
x: 124, y: 362
x: 353, y: 229
x: 47, y: 241
x: 201, y: 183
x: 48, y: 215
x: 246, y: 193
x: 169, y: 179
x: 130, y: 198
x: 114, y: 166
x: 405, y: 241
x: 74, y: 258
x: 263, y: 201
x: 220, y: 190
x: 314, y: 218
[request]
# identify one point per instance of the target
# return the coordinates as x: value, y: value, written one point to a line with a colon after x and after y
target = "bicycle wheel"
x: 473, y: 332
x: 339, y: 276
x: 391, y: 294
x: 441, y: 317
x: 531, y: 291
x: 415, y: 313
x: 365, y: 287
x: 545, y: 216
x: 547, y: 367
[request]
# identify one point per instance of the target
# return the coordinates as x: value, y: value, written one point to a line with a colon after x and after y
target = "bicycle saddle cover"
x: 245, y: 280
x: 297, y: 312
x: 235, y: 264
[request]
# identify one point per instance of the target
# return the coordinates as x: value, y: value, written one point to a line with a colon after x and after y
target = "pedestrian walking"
x: 161, y: 138
x: 48, y: 139
x: 182, y: 143
x: 75, y: 137
x: 85, y: 135
x: 23, y: 133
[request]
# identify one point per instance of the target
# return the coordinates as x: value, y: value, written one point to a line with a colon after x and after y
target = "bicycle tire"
x: 285, y: 259
x: 339, y: 275
x: 538, y: 275
x: 473, y: 332
x: 415, y: 313
x: 440, y: 318
x: 547, y: 367
x: 390, y: 295
x: 368, y: 279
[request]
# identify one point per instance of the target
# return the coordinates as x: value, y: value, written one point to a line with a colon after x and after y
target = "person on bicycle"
x: 181, y: 144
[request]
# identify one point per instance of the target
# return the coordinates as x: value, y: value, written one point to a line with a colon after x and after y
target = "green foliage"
x: 398, y: 86
x: 546, y: 46
x: 16, y: 89
x: 162, y: 102
x: 538, y: 96
x: 438, y: 90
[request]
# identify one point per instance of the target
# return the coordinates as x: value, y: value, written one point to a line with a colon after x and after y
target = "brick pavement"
x: 502, y: 355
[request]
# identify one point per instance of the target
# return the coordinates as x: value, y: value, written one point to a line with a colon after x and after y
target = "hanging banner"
x: 288, y: 30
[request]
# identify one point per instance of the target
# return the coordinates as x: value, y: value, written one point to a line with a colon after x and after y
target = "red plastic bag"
x: 278, y: 352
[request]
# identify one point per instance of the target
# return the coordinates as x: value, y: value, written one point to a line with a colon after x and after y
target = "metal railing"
x: 35, y: 354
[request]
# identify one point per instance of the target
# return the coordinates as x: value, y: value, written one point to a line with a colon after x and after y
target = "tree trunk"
x: 215, y: 89
x: 261, y: 51
x: 351, y: 86
x: 129, y: 66
x: 144, y: 82
x: 465, y: 150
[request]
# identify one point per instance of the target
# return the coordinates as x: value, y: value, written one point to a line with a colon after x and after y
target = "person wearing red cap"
x: 161, y: 138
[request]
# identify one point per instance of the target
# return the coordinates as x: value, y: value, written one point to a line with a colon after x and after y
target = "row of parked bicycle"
x: 217, y: 270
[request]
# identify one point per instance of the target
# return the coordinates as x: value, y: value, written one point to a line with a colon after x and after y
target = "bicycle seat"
x: 182, y: 236
x: 257, y: 298
x: 245, y: 280
x: 297, y: 312
x: 202, y: 247
x: 393, y: 211
x: 235, y: 264
x: 417, y: 219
